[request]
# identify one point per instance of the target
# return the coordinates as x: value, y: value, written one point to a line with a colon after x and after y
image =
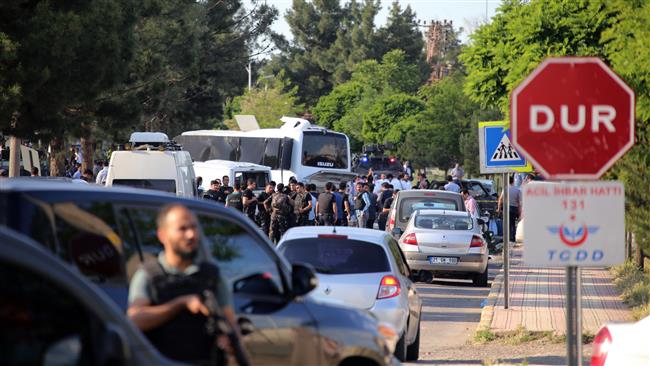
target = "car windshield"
x: 409, y: 205
x: 325, y: 150
x: 164, y: 185
x: 337, y: 256
x: 443, y: 222
x: 380, y: 163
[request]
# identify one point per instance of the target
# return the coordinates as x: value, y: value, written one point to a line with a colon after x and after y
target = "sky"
x: 463, y: 13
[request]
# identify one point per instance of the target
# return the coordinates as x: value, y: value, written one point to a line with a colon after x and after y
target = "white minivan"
x: 154, y: 162
x: 238, y: 172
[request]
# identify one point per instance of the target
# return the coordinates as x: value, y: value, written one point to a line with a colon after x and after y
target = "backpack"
x: 280, y: 202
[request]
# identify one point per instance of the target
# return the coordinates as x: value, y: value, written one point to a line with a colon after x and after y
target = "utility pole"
x: 14, y: 157
x: 250, y: 75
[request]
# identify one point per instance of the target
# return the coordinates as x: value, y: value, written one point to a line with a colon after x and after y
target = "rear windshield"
x: 336, y: 256
x: 443, y: 222
x: 409, y: 205
x: 260, y: 178
x: 382, y: 163
x: 165, y: 185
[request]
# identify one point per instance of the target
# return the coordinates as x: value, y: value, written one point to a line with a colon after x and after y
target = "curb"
x: 490, y: 302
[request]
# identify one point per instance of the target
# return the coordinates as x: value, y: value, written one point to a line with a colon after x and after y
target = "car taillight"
x: 410, y: 239
x: 602, y: 342
x: 388, y: 287
x: 476, y: 242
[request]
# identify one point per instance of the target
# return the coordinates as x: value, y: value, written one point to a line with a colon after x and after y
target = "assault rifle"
x: 217, y: 324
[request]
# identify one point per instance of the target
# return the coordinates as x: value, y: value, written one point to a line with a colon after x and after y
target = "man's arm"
x: 366, y: 199
x: 146, y: 316
x: 335, y: 208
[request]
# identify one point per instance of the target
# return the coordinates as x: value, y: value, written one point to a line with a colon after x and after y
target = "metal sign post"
x: 573, y: 316
x: 506, y: 240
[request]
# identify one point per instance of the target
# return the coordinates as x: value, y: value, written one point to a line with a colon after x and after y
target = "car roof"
x: 426, y: 192
x: 353, y: 233
x: 30, y: 184
x: 440, y: 212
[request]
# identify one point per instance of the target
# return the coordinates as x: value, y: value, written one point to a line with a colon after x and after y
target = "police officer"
x: 225, y: 188
x: 264, y: 216
x: 234, y: 199
x: 249, y: 199
x: 301, y: 205
x: 326, y: 206
x: 215, y: 193
x: 280, y: 206
x: 165, y: 293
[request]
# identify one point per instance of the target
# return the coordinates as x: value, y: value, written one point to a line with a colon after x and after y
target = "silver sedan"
x: 361, y: 268
x: 449, y: 243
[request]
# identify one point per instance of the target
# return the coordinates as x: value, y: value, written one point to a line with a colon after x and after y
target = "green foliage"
x: 268, y: 103
x: 386, y: 114
x: 333, y: 107
x: 634, y: 285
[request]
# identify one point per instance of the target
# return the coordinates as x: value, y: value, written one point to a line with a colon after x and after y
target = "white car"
x: 447, y: 243
x: 622, y: 344
x: 361, y: 268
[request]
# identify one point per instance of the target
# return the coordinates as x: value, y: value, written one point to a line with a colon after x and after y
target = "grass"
x: 634, y: 285
x: 522, y: 335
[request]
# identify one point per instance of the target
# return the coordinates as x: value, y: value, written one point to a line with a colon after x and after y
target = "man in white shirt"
x: 451, y: 186
x: 103, y: 173
x: 379, y: 182
x: 405, y: 182
x: 394, y: 181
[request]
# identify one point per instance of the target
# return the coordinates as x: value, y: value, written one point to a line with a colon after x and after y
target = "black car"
x: 106, y: 233
x: 50, y: 314
x: 378, y: 164
x: 486, y: 201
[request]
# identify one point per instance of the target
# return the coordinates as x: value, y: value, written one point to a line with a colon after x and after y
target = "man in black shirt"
x: 263, y: 215
x: 215, y: 193
x: 384, y: 197
x: 326, y: 206
x: 249, y: 200
x: 225, y: 188
x: 234, y: 199
x: 346, y: 209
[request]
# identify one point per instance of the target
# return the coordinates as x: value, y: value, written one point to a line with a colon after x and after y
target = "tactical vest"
x: 185, y: 337
x: 359, y: 203
x: 280, y: 204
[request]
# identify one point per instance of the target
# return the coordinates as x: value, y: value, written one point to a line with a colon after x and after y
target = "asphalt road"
x: 451, y: 311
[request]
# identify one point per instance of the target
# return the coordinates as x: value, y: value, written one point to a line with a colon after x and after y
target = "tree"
x: 269, y: 103
x: 335, y: 105
x: 387, y: 113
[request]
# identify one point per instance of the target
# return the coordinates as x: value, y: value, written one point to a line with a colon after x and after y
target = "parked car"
x: 450, y: 243
x: 482, y: 193
x: 106, y: 233
x: 622, y: 344
x: 407, y: 202
x: 50, y: 314
x: 362, y: 268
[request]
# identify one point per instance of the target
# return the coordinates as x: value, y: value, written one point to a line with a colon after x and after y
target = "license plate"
x: 443, y: 260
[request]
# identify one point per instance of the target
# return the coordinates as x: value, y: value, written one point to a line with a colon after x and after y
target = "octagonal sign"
x: 573, y: 118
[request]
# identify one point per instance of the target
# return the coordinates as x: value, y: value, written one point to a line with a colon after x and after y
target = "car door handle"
x: 246, y: 327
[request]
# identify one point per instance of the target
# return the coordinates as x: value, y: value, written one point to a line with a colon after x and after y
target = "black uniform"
x: 250, y: 209
x: 263, y: 216
x: 372, y: 210
x: 234, y: 200
x: 217, y: 196
x: 325, y: 210
x: 383, y: 217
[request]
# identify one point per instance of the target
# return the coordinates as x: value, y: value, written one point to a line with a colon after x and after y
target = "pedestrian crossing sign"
x: 497, y: 153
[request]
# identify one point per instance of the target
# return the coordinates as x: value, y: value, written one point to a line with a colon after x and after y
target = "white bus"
x: 298, y: 149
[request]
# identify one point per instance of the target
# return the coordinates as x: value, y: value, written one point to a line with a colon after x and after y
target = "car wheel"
x: 481, y: 279
x: 400, y: 348
x: 413, y: 351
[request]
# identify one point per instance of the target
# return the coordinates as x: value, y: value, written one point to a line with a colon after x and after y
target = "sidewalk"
x: 537, y: 299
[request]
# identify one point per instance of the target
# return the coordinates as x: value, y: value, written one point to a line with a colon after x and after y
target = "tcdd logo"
x: 573, y: 237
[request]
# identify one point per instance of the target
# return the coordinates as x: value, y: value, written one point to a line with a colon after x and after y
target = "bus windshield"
x: 321, y: 150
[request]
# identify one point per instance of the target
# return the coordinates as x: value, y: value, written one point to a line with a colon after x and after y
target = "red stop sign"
x: 572, y: 118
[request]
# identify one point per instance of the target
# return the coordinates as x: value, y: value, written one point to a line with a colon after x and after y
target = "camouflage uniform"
x: 281, y: 206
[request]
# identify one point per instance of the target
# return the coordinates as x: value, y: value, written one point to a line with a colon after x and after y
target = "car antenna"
x: 333, y: 229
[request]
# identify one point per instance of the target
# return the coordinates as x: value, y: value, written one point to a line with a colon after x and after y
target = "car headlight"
x: 390, y: 335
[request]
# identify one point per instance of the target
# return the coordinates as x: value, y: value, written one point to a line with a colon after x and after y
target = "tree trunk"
x: 639, y: 255
x: 14, y: 157
x: 87, y: 152
x: 57, y: 155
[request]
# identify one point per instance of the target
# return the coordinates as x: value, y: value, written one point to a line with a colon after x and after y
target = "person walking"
x: 385, y: 193
x: 234, y: 199
x: 165, y: 294
x: 326, y: 208
x: 451, y: 185
x: 514, y: 198
x: 249, y: 201
x: 264, y: 215
x: 345, y: 213
x: 215, y: 193
x: 280, y: 206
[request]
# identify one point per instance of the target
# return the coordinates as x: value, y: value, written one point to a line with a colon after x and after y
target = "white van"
x: 238, y: 172
x: 156, y: 164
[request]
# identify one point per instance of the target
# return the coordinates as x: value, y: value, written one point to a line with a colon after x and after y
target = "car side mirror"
x: 114, y: 349
x: 256, y: 284
x: 397, y: 232
x: 303, y: 279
